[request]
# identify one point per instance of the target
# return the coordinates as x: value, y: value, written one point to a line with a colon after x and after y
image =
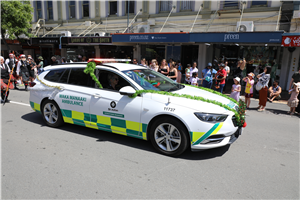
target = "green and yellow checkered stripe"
x: 114, y: 125
x: 36, y: 107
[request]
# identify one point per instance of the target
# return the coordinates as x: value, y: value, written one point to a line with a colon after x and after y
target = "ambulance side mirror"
x: 127, y: 90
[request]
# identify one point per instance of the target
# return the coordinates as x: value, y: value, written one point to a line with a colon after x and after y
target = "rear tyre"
x: 169, y: 136
x: 52, y: 114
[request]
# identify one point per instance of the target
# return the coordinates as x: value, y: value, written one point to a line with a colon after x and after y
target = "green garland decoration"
x: 90, y: 69
x: 240, y: 118
x: 240, y: 114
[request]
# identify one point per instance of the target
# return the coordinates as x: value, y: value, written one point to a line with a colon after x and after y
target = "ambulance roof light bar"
x: 105, y: 60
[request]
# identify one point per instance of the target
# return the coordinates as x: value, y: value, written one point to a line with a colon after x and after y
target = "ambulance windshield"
x: 152, y: 80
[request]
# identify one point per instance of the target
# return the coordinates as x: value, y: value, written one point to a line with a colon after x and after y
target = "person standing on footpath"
x: 227, y: 69
x: 31, y: 68
x: 221, y: 76
x: 40, y: 66
x: 22, y: 70
x: 187, y: 73
x: 5, y: 72
x: 264, y: 79
x: 194, y: 69
x: 296, y: 79
x: 207, y: 75
x: 11, y: 62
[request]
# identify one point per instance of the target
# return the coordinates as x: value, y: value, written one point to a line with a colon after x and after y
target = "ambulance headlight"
x: 212, y: 118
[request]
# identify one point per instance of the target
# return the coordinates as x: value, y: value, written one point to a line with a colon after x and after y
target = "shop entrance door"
x: 47, y: 53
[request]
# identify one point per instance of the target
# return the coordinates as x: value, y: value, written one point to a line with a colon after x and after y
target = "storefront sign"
x: 45, y: 40
x: 88, y: 40
x: 151, y: 37
x: 237, y: 37
x: 291, y: 41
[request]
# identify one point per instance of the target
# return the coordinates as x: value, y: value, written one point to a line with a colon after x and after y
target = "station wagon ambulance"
x: 143, y: 104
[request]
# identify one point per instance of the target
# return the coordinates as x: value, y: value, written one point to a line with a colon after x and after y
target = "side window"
x: 54, y: 75
x: 65, y: 76
x: 78, y: 77
x: 111, y: 81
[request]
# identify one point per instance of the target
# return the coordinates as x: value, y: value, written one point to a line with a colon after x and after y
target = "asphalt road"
x: 73, y: 162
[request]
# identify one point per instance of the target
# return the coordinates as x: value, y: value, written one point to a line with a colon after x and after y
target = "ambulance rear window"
x: 54, y: 75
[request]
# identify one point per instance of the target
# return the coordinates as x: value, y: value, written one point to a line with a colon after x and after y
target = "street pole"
x: 127, y: 15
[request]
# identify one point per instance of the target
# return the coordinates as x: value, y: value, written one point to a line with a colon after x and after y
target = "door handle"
x: 96, y: 95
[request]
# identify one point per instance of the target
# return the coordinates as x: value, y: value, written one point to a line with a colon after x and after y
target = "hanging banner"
x: 291, y: 41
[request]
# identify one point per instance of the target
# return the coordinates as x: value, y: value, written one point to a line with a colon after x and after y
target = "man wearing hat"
x: 40, y: 66
x: 22, y: 70
x: 207, y: 75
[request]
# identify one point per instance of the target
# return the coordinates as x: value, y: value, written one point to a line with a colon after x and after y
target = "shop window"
x: 230, y: 4
x: 113, y: 8
x: 185, y: 5
x: 39, y: 9
x: 153, y: 52
x: 131, y: 6
x: 72, y: 14
x: 259, y: 3
x: 50, y: 10
x: 165, y: 6
x: 86, y: 8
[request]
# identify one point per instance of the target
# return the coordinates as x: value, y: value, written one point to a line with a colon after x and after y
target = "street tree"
x: 15, y: 19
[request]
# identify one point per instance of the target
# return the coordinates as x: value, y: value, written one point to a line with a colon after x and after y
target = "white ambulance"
x: 165, y: 113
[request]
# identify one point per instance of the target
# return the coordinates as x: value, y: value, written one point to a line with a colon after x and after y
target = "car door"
x: 111, y: 111
x: 75, y: 98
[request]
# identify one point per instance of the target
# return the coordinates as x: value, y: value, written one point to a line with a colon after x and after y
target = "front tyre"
x: 52, y: 114
x: 169, y: 136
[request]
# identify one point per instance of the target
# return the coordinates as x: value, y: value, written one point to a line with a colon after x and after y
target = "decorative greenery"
x: 16, y: 17
x: 240, y: 115
x: 90, y: 69
x: 213, y: 91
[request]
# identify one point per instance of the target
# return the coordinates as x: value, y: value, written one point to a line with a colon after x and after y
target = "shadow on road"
x: 102, y: 136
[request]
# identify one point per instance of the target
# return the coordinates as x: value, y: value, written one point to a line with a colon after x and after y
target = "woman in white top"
x: 154, y: 65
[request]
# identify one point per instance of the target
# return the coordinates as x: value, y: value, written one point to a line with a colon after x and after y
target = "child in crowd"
x: 195, y: 79
x: 219, y: 75
x: 236, y: 89
x: 293, y: 101
x: 249, y: 88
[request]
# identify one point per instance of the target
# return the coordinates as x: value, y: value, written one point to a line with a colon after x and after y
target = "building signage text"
x: 291, y: 41
x: 231, y: 37
x: 89, y: 40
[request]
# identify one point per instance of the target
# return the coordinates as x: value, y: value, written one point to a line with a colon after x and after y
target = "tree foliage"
x: 16, y: 17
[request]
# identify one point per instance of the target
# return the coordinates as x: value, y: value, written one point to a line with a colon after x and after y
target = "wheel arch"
x: 163, y: 116
x: 44, y: 99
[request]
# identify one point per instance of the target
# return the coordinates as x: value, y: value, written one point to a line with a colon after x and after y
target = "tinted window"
x: 78, y: 77
x: 54, y: 75
x: 65, y: 76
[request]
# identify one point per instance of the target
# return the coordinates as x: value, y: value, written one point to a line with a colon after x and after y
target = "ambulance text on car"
x: 161, y: 114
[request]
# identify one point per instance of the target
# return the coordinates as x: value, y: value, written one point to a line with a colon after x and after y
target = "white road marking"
x: 24, y: 104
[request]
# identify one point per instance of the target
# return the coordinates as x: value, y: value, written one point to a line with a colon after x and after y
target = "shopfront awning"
x: 178, y: 37
x: 237, y: 37
x: 291, y: 40
x: 85, y: 40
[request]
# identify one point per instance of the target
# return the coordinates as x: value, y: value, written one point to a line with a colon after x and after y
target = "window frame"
x: 48, y: 10
x: 160, y: 6
x: 37, y: 10
x: 85, y: 3
x: 231, y: 7
x: 126, y: 7
x: 260, y: 5
x: 109, y: 8
x: 185, y: 10
x: 71, y: 6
